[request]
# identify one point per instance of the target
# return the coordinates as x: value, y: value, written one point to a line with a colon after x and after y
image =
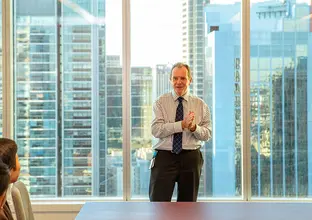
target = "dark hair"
x: 8, y: 150
x: 4, y: 177
x: 180, y: 65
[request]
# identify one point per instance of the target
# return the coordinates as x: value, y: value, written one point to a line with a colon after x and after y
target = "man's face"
x: 180, y: 80
x: 15, y: 172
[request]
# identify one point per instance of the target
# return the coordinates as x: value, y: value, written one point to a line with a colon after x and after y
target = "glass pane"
x: 66, y: 123
x: 1, y: 108
x: 222, y: 90
x: 209, y: 41
x: 280, y: 96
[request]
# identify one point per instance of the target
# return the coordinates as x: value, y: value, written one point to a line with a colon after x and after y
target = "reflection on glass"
x: 66, y: 126
x: 209, y: 42
x: 222, y: 90
x: 280, y: 99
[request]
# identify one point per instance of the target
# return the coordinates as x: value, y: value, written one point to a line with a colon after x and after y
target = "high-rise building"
x: 113, y: 61
x: 141, y: 116
x: 82, y: 62
x: 193, y: 44
x: 193, y: 53
x: 36, y: 109
x: 59, y: 67
x: 222, y: 94
x: 279, y: 98
x: 162, y: 81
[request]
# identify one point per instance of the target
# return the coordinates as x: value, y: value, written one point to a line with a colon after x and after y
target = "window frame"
x: 8, y: 113
x: 8, y: 120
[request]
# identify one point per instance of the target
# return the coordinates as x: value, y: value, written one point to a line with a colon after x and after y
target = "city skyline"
x: 68, y: 97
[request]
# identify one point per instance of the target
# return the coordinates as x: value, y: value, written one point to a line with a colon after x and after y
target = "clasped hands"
x: 188, y: 121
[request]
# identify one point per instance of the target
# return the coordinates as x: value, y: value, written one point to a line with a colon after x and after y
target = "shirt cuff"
x: 196, y: 129
x: 177, y: 127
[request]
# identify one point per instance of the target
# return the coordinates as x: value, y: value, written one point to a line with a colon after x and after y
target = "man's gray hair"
x: 180, y: 65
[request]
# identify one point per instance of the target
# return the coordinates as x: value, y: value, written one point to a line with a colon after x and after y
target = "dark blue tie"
x: 177, y: 137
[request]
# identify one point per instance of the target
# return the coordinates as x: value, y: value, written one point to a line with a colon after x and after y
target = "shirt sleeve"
x: 161, y: 129
x: 10, y: 201
x: 203, y: 129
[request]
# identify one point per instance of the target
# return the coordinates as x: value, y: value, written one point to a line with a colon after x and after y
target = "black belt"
x: 182, y: 152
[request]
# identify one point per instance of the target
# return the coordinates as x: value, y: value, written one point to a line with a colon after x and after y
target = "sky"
x: 156, y: 29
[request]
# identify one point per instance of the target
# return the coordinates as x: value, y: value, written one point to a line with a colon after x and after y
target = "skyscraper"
x: 59, y: 65
x: 82, y: 57
x: 279, y: 97
x: 36, y: 110
x: 193, y: 53
x: 141, y: 116
x: 193, y: 44
x: 162, y: 81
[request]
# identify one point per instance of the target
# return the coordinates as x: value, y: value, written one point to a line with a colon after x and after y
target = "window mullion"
x: 126, y: 99
x: 245, y: 101
x: 7, y: 82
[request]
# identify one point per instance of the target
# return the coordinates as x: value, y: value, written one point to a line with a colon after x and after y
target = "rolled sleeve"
x: 159, y: 128
x: 177, y: 127
x: 203, y: 129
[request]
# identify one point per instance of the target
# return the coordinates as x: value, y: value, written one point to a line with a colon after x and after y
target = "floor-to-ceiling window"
x: 67, y: 96
x: 221, y: 86
x: 69, y: 103
x: 280, y: 99
x: 204, y: 35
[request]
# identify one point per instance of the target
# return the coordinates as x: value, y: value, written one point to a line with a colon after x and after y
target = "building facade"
x: 280, y: 49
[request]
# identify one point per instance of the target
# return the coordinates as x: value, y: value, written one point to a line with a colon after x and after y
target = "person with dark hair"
x: 5, y: 212
x: 181, y: 124
x: 8, y: 154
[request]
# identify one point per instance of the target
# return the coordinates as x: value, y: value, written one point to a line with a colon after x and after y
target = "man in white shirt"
x: 181, y: 123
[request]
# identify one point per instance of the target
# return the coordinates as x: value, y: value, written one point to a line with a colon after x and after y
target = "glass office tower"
x: 141, y: 102
x: 193, y: 53
x: 280, y: 88
x: 60, y: 77
x: 36, y: 92
x: 141, y: 117
x: 193, y: 45
x: 82, y: 62
x: 68, y: 98
x: 162, y: 80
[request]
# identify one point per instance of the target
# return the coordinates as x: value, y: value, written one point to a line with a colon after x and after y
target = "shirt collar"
x: 185, y: 96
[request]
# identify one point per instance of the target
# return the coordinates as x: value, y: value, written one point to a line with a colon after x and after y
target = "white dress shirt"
x: 164, y: 125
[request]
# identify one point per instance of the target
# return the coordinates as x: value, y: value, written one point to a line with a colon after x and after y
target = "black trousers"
x: 169, y: 168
